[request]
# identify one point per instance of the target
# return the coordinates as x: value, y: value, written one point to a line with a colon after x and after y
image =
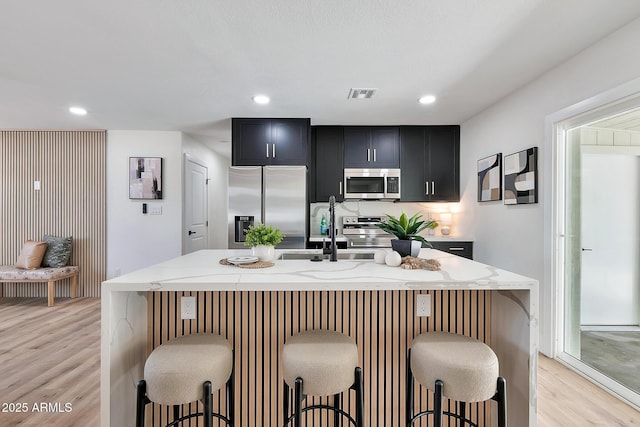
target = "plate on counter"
x: 237, y: 260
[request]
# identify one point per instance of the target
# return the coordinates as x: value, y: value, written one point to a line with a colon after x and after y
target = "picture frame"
x: 521, y: 177
x: 490, y: 178
x: 145, y: 178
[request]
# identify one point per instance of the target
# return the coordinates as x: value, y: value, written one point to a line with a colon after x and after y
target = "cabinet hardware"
x: 368, y: 154
x: 587, y: 249
x: 374, y: 155
x: 433, y: 187
x: 426, y: 188
x: 456, y: 249
x: 267, y: 150
x: 274, y: 150
x: 340, y: 192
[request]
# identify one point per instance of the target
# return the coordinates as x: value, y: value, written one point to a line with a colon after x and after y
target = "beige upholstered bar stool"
x: 457, y: 367
x: 321, y: 363
x: 184, y: 370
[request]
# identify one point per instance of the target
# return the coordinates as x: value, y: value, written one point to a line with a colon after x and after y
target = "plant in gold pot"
x: 262, y: 239
x: 407, y: 230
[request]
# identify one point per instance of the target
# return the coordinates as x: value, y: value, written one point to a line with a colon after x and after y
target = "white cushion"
x: 467, y: 367
x: 176, y: 370
x: 325, y: 360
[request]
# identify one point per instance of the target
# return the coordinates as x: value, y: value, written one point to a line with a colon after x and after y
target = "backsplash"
x: 372, y: 208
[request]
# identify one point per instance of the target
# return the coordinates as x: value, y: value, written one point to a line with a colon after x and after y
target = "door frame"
x: 190, y: 158
x: 620, y: 98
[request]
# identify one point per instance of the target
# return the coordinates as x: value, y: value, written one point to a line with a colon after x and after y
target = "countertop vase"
x: 406, y: 247
x: 264, y: 252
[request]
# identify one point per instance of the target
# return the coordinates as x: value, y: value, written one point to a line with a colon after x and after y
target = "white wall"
x: 512, y: 237
x: 217, y: 168
x: 136, y: 240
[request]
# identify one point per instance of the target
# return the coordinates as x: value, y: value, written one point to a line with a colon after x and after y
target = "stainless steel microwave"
x: 378, y: 184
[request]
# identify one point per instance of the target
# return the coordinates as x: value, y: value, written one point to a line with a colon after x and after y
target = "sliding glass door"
x: 601, y: 245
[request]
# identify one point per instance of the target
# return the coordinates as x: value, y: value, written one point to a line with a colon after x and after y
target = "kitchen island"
x: 257, y: 309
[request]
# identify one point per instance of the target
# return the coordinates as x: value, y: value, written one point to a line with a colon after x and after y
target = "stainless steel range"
x: 363, y: 232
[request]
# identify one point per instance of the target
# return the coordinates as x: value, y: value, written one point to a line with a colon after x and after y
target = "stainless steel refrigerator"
x: 272, y: 195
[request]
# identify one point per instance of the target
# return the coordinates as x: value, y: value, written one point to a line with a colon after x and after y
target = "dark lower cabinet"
x: 261, y: 142
x: 430, y: 163
x: 463, y: 249
x: 327, y: 174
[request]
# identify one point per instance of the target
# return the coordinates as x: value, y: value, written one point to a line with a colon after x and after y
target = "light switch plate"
x: 188, y: 307
x: 155, y: 210
x: 423, y: 305
x: 36, y: 185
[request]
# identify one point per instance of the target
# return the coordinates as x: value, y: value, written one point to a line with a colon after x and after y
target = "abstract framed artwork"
x: 490, y: 178
x: 521, y: 177
x: 145, y: 177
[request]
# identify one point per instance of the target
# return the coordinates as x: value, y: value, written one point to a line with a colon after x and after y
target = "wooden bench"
x: 10, y: 274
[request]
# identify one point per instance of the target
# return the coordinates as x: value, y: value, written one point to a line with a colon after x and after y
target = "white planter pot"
x: 264, y: 252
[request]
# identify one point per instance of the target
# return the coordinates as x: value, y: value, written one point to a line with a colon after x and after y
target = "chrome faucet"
x: 332, y: 228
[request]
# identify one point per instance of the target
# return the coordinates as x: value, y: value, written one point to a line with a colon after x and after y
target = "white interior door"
x: 195, y: 236
x: 610, y: 199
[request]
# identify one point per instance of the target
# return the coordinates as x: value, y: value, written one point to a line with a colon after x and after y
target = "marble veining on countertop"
x: 202, y: 271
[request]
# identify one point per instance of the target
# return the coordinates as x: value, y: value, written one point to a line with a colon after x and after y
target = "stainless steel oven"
x: 363, y: 232
x: 378, y: 184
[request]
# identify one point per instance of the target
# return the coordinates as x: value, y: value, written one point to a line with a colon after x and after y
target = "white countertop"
x: 201, y: 271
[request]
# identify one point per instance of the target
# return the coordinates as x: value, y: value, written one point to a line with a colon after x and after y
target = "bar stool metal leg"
x: 437, y: 404
x: 359, y: 397
x: 208, y: 404
x: 231, y: 396
x: 337, y: 403
x: 501, y: 398
x: 297, y: 422
x: 463, y: 414
x: 141, y: 402
x: 286, y: 394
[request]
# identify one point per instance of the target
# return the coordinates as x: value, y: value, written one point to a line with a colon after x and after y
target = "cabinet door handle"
x: 368, y: 154
x: 433, y: 187
x: 426, y: 188
x: 267, y: 150
x: 274, y: 150
x: 456, y: 249
x: 340, y: 192
x: 374, y: 155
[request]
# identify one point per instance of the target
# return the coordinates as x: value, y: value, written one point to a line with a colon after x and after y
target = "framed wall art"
x: 145, y: 177
x: 490, y: 178
x: 521, y: 177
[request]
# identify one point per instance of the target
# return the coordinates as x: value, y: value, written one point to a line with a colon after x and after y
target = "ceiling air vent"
x: 360, y: 93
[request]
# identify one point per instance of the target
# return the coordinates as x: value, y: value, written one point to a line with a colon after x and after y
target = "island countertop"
x: 129, y: 316
x: 201, y: 271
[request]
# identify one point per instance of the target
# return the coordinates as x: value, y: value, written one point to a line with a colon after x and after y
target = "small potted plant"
x: 262, y: 239
x: 406, y: 230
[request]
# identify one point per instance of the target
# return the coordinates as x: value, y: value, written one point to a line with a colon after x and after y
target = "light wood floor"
x: 52, y: 355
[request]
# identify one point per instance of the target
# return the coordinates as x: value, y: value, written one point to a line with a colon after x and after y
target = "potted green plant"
x: 407, y: 230
x: 262, y: 239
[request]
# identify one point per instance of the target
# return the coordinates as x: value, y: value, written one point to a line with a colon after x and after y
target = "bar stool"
x: 321, y: 363
x: 458, y: 367
x: 184, y: 370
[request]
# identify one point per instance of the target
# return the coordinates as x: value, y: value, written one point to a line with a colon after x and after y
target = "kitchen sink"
x: 316, y: 256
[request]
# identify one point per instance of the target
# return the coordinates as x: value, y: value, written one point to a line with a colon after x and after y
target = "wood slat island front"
x: 258, y: 309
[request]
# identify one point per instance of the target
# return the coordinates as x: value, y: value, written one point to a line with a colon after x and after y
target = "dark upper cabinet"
x: 371, y: 147
x: 327, y: 147
x: 259, y: 142
x: 430, y: 163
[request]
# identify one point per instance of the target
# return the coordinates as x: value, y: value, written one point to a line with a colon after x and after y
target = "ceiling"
x: 191, y: 65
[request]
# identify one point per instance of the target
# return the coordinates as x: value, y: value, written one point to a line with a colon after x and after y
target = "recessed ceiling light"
x: 427, y: 99
x: 261, y: 99
x: 78, y: 111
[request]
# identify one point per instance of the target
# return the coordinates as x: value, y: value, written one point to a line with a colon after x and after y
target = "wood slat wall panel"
x: 71, y: 166
x: 258, y: 323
